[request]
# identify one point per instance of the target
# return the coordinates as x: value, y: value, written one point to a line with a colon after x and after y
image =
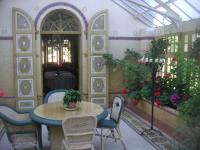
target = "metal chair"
x: 79, y: 132
x: 19, y: 127
x: 111, y: 124
x: 54, y: 96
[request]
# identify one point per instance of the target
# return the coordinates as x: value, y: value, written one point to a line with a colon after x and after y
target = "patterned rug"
x: 160, y: 142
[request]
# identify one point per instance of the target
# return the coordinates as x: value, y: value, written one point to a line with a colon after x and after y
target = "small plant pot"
x: 71, y: 106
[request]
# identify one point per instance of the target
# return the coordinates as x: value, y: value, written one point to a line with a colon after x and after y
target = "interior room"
x: 90, y: 74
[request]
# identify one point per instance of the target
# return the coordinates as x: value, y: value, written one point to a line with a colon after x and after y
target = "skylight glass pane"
x: 156, y: 22
x: 161, y: 9
x: 160, y: 18
x: 132, y: 6
x: 195, y: 3
x: 147, y: 22
x: 166, y: 22
x: 164, y: 1
x: 180, y: 13
x: 138, y: 9
x: 187, y: 9
x: 152, y: 3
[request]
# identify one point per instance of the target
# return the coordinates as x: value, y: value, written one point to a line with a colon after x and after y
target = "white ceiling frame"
x: 169, y: 1
x: 151, y: 14
x: 124, y: 8
x: 171, y: 17
x: 138, y: 12
x: 168, y: 8
x: 197, y: 10
x: 182, y: 10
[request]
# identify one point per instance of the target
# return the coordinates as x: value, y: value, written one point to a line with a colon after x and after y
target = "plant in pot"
x: 71, y: 98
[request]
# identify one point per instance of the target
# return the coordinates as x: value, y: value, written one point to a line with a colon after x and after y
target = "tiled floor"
x: 132, y: 141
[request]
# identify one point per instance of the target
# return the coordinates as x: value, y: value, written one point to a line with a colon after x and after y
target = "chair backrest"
x: 17, y: 123
x: 79, y: 129
x: 116, y: 110
x: 54, y: 96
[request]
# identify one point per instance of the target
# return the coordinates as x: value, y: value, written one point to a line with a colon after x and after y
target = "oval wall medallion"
x: 98, y: 43
x: 24, y: 43
x: 25, y: 87
x: 24, y: 65
x: 98, y: 85
x: 98, y: 64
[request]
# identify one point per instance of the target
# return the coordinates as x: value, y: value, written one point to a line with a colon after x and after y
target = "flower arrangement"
x: 71, y: 98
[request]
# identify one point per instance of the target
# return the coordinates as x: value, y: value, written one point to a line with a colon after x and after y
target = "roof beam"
x: 137, y: 12
x: 182, y: 11
x: 168, y: 8
x: 197, y: 10
x: 151, y: 14
x: 174, y: 19
x: 124, y: 8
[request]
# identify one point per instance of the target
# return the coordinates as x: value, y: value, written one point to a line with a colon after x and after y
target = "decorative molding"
x: 26, y: 104
x: 7, y: 97
x: 131, y: 38
x: 98, y: 43
x: 23, y: 43
x: 6, y: 37
x: 61, y: 4
x: 125, y: 38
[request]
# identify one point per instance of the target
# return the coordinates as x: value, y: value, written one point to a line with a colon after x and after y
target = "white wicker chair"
x: 79, y: 132
x: 19, y: 127
x: 111, y: 125
x: 54, y: 96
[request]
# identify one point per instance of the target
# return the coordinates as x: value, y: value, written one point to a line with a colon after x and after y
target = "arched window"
x: 56, y: 29
x: 60, y: 21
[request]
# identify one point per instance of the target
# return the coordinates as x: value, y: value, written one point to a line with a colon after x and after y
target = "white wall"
x: 121, y: 24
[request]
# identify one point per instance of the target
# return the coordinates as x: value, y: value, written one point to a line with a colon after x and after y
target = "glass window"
x: 59, y: 53
x: 195, y: 3
x: 151, y: 18
x: 187, y: 9
x: 152, y: 3
x: 173, y: 47
x: 186, y: 43
x: 179, y: 12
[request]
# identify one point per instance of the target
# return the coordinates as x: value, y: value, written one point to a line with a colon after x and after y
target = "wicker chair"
x: 79, y: 132
x: 19, y: 127
x: 54, y: 96
x: 112, y: 124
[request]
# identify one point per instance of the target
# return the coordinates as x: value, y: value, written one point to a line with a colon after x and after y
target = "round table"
x: 52, y: 114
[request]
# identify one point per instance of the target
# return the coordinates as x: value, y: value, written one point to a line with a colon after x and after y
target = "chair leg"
x: 102, y: 139
x: 120, y: 137
x: 12, y: 147
x: 119, y: 132
x: 37, y: 146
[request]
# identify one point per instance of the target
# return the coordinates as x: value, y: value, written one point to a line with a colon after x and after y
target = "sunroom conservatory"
x: 109, y: 74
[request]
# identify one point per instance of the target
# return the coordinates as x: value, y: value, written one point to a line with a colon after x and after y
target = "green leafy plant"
x: 71, y: 95
x: 134, y: 71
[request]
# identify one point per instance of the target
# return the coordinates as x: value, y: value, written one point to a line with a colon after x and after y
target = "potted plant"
x: 71, y: 98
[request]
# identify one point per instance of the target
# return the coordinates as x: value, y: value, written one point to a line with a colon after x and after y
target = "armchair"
x: 19, y: 127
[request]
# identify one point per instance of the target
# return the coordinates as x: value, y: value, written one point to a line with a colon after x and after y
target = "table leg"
x: 39, y: 130
x: 56, y: 136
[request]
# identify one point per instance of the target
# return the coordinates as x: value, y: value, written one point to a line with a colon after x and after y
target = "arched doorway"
x: 60, y: 34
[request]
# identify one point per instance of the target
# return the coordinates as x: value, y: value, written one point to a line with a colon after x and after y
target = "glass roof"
x: 154, y: 13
